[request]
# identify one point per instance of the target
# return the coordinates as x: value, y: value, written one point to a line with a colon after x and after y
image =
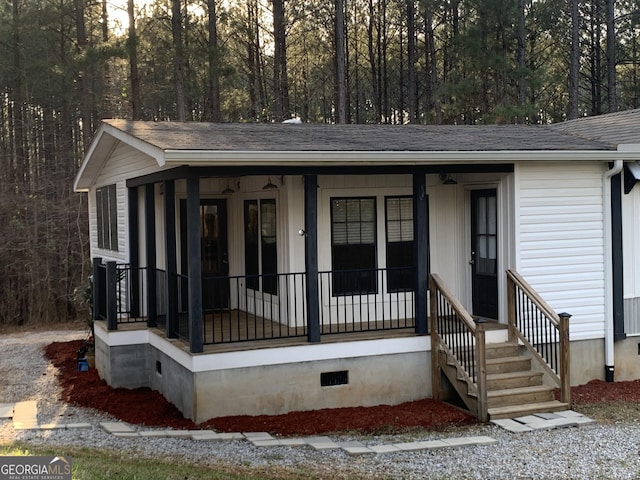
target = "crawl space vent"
x: 331, y: 379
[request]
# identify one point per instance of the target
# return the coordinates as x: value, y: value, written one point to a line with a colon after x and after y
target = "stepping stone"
x: 267, y: 442
x: 570, y: 414
x: 511, y: 425
x: 205, y: 435
x: 563, y: 422
x: 324, y: 446
x: 384, y: 449
x: 355, y: 451
x: 483, y: 440
x: 353, y: 443
x: 458, y: 442
x: 231, y: 436
x: 292, y: 442
x: 541, y: 425
x: 546, y: 416
x: 126, y: 434
x: 178, y: 433
x: 433, y: 444
x: 154, y: 434
x: 6, y: 410
x: 527, y: 419
x: 583, y: 420
x: 116, y: 427
x: 410, y: 446
x: 257, y: 435
x: 25, y: 415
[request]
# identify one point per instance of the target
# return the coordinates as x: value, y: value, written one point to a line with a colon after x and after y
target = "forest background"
x: 66, y: 64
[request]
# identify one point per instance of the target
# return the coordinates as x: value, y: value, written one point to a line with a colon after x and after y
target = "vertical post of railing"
x: 421, y: 249
x: 435, y: 347
x: 512, y: 314
x: 150, y: 248
x: 97, y: 287
x: 481, y: 373
x: 112, y: 303
x: 171, y: 279
x: 565, y: 371
x: 311, y: 256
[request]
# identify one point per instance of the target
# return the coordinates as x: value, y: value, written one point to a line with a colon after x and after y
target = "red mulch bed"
x: 144, y: 406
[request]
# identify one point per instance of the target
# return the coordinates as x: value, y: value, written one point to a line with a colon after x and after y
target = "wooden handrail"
x: 534, y: 296
x: 453, y: 301
x: 475, y: 380
x: 559, y: 322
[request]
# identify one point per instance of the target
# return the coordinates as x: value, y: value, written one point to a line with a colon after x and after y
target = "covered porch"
x: 277, y: 291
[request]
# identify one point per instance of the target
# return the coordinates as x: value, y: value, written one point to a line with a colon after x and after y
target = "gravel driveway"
x: 587, y: 452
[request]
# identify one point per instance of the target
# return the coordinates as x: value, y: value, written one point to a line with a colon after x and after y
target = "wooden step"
x: 501, y: 381
x: 501, y: 350
x: 508, y: 364
x: 515, y: 411
x: 520, y: 396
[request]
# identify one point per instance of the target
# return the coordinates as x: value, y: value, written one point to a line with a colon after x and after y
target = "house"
x: 267, y: 268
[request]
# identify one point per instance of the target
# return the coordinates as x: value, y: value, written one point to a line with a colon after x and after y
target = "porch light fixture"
x: 269, y: 185
x: 228, y: 190
x: 447, y: 180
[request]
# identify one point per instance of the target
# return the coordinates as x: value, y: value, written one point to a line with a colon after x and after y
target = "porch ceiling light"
x: 269, y: 185
x: 447, y: 180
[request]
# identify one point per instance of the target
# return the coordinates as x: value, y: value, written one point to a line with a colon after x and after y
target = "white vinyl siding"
x: 561, y: 240
x: 631, y: 259
x: 124, y: 163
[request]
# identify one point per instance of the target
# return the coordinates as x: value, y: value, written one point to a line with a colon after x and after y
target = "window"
x: 399, y: 232
x: 353, y: 245
x: 260, y: 246
x: 107, y: 218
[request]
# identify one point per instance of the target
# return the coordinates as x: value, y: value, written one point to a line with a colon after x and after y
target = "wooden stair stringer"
x: 460, y: 381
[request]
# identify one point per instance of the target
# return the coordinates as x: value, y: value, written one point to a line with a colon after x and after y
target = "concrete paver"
x: 6, y: 410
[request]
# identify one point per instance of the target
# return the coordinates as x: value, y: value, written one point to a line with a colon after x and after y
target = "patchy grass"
x: 611, y: 412
x: 93, y: 464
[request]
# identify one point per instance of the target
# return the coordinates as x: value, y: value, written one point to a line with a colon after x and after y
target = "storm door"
x: 484, y: 253
x: 213, y: 250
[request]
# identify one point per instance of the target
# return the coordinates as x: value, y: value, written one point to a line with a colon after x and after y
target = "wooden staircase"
x: 514, y: 389
x: 497, y: 380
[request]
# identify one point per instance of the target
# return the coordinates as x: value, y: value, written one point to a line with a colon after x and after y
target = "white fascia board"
x: 108, y: 136
x: 345, y: 158
x: 629, y: 147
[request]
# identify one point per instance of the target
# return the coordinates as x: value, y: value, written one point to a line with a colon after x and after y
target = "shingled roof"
x: 613, y: 128
x: 253, y: 137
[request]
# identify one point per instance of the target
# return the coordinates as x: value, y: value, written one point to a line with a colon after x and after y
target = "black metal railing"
x: 366, y: 300
x: 131, y: 294
x: 461, y: 341
x: 275, y: 307
x: 541, y: 330
x: 259, y: 307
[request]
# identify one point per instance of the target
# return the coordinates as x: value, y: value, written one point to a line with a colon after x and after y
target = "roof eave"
x: 351, y: 158
x: 100, y: 148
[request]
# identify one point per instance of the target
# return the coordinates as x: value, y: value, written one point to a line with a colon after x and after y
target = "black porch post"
x: 170, y: 252
x: 421, y: 249
x: 311, y: 256
x: 112, y: 300
x: 134, y: 255
x: 194, y: 264
x: 97, y: 288
x: 150, y: 248
x: 617, y: 258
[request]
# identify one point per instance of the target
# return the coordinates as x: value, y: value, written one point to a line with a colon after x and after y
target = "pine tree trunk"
x: 574, y: 60
x: 178, y: 60
x: 341, y: 77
